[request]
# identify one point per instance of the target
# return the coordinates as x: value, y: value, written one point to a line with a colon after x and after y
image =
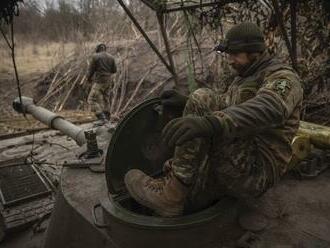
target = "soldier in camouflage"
x: 101, y: 70
x: 238, y: 143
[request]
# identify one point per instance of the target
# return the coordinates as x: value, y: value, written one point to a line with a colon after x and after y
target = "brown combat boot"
x: 166, y: 195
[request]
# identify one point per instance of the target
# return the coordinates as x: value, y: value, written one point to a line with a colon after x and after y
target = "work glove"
x: 172, y: 98
x: 181, y: 130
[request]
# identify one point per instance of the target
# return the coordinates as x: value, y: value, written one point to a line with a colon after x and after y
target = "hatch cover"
x: 136, y: 144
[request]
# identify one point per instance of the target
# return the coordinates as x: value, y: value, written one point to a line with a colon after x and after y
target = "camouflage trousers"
x: 214, y: 168
x: 98, y: 98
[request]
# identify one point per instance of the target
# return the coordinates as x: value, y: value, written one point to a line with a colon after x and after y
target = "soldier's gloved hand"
x: 172, y: 98
x: 181, y: 130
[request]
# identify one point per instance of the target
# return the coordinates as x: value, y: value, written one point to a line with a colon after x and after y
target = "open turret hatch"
x: 137, y: 143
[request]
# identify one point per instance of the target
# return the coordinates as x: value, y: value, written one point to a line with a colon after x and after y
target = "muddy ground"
x: 8, y: 92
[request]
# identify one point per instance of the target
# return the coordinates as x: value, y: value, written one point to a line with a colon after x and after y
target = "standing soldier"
x: 102, y: 68
x: 238, y: 144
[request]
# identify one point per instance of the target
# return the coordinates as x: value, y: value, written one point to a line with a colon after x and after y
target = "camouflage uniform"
x: 238, y: 143
x: 259, y: 115
x: 102, y: 67
x: 98, y: 98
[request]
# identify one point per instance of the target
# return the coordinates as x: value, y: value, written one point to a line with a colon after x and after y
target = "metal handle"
x: 96, y: 223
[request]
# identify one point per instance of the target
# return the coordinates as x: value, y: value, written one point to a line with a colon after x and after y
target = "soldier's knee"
x: 201, y: 93
x: 202, y: 96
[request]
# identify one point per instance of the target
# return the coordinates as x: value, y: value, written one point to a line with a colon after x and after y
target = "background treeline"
x: 65, y: 20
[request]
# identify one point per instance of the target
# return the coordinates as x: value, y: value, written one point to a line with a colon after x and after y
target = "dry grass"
x: 32, y: 58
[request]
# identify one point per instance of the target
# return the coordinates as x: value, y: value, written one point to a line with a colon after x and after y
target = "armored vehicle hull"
x: 94, y: 210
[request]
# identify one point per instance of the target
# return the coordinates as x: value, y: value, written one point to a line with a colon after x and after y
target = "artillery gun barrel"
x: 50, y: 119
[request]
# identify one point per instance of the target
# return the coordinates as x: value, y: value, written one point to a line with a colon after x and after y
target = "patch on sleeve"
x: 280, y: 86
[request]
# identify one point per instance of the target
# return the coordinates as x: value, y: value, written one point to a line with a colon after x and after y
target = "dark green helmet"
x: 243, y: 37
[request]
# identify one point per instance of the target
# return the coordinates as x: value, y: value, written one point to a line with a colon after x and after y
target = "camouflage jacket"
x: 102, y: 65
x: 264, y: 104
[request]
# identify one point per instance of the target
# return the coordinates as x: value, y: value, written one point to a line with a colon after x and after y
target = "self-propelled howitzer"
x: 96, y: 211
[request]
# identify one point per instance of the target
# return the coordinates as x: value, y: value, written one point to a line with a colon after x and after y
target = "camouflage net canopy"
x: 193, y: 34
x: 8, y: 9
x: 167, y: 6
x: 289, y: 31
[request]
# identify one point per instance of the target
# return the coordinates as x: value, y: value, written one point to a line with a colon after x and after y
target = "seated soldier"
x: 237, y: 144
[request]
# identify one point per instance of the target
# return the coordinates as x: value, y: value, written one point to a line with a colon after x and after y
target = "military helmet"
x: 100, y: 47
x: 243, y: 37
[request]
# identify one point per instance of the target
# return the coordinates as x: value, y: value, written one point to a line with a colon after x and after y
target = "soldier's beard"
x: 240, y: 69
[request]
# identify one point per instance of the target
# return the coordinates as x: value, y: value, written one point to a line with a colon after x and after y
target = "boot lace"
x: 158, y: 184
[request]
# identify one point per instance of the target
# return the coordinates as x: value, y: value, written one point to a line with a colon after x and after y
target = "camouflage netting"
x: 8, y: 9
x: 313, y: 39
x: 193, y: 34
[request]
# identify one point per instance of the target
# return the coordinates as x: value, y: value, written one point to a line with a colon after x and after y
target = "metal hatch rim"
x: 224, y: 208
